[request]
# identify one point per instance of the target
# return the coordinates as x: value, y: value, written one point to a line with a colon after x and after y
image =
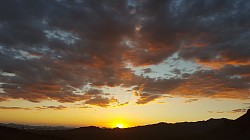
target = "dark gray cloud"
x: 49, y: 50
x: 227, y: 82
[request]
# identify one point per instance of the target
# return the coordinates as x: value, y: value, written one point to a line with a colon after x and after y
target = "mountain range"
x: 212, y: 129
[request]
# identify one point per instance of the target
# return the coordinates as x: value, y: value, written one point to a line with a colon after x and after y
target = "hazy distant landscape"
x: 212, y: 129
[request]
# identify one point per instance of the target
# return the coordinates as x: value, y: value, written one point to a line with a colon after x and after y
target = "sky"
x: 123, y: 62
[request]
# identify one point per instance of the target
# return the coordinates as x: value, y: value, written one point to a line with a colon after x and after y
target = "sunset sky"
x: 123, y: 62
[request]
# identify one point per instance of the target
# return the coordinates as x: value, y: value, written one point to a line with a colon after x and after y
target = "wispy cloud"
x: 240, y: 110
x: 14, y: 108
x: 191, y: 100
x: 60, y: 107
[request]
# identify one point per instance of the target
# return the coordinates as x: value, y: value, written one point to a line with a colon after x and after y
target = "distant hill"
x: 212, y: 129
x: 19, y: 126
x: 7, y: 133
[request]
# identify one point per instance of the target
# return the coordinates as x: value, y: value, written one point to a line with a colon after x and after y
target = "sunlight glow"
x: 119, y: 123
x: 120, y: 126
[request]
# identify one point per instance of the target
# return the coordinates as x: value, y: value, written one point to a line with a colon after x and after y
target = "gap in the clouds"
x: 24, y: 55
x: 1, y: 89
x: 2, y: 73
x: 122, y: 94
x: 18, y: 53
x: 5, y: 74
x: 67, y: 37
x: 172, y: 67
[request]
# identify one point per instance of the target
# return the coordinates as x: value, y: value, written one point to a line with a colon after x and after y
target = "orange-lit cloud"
x: 46, y: 57
x: 145, y: 98
x: 100, y: 101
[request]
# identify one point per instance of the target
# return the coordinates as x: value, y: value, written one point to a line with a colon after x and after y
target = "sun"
x: 119, y: 125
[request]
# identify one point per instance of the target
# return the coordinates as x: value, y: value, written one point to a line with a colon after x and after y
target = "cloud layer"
x: 53, y: 50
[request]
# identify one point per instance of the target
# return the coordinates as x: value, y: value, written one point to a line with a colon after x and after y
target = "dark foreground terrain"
x: 213, y: 129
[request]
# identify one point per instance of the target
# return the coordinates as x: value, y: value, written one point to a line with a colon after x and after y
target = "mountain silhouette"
x: 244, y: 119
x: 238, y: 129
x: 212, y: 129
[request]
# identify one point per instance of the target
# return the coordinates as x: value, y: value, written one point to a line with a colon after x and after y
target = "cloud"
x: 146, y: 98
x: 217, y: 112
x: 241, y: 110
x: 60, y: 107
x: 123, y: 104
x: 227, y: 82
x: 191, y: 100
x: 147, y: 70
x: 151, y: 89
x: 101, y: 101
x: 84, y: 107
x: 14, y: 108
x: 50, y: 58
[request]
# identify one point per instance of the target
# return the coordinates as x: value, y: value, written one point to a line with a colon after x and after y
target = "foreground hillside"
x: 213, y: 129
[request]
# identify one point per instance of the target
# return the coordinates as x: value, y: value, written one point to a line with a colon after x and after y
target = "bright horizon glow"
x: 170, y: 110
x: 123, y: 63
x: 120, y: 125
